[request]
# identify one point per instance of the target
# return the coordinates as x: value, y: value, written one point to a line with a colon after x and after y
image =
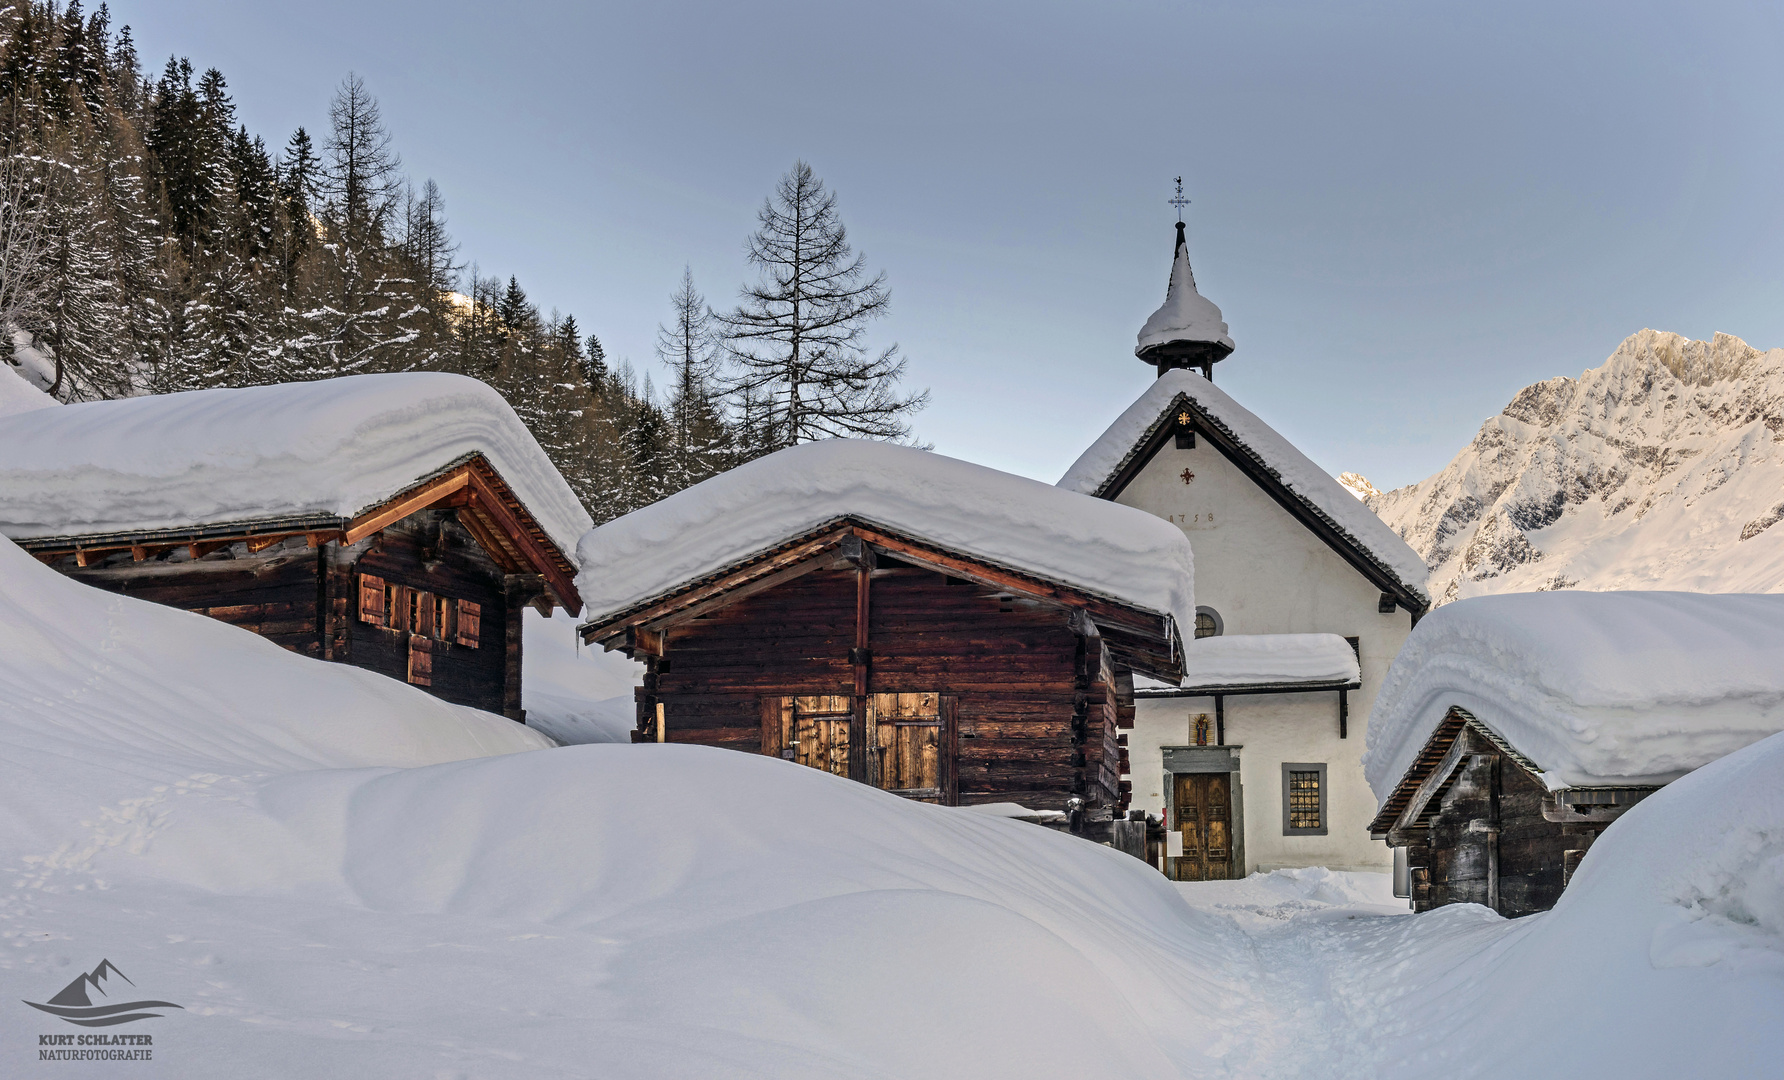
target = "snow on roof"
x: 1595, y: 688
x: 331, y: 447
x: 1096, y: 546
x: 1259, y: 659
x: 1306, y: 481
x: 1186, y: 315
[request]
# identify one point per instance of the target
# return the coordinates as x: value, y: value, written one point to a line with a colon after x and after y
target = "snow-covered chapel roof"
x: 1186, y: 314
x: 330, y: 448
x: 1098, y: 547
x: 1321, y: 501
x: 1594, y: 689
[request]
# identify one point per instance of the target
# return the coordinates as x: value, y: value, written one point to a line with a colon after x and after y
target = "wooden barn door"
x: 1203, y: 808
x: 815, y: 731
x: 910, y: 745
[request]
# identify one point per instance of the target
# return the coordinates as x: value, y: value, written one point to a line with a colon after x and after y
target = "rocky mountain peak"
x: 1661, y: 468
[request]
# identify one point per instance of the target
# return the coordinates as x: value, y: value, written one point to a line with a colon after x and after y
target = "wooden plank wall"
x: 410, y: 553
x: 306, y: 600
x: 1016, y: 667
x: 1454, y: 854
x: 272, y: 594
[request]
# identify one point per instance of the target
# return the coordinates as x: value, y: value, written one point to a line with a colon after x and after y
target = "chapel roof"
x: 1304, y: 489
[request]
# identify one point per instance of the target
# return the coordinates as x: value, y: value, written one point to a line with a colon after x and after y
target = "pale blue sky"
x: 1407, y: 211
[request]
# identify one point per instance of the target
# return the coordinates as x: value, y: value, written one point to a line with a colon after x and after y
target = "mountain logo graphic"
x: 74, y: 1006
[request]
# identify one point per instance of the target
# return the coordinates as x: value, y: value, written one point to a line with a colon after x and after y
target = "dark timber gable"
x: 893, y: 662
x: 1481, y: 827
x: 427, y: 587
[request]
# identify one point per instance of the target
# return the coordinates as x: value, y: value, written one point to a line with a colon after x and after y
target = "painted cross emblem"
x: 1187, y: 476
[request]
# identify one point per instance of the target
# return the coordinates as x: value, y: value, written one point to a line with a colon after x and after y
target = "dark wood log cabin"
x: 887, y: 659
x: 1480, y: 827
x: 427, y: 586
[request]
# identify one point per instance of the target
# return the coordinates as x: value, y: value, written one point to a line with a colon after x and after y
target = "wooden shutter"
x: 396, y: 607
x: 371, y: 600
x: 424, y: 614
x: 421, y: 660
x: 470, y: 623
x: 444, y: 610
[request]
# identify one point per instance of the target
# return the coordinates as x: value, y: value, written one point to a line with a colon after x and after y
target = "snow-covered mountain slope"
x: 1661, y: 469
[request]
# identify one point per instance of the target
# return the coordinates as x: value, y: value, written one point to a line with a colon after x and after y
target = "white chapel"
x: 1304, y: 595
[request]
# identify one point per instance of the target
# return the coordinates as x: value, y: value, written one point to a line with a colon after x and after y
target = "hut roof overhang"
x: 331, y: 459
x: 1141, y: 638
x: 486, y: 506
x: 1184, y: 402
x: 1415, y: 799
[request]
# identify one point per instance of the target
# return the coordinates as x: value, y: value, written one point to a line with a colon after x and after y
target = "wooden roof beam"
x: 420, y: 499
x: 489, y: 501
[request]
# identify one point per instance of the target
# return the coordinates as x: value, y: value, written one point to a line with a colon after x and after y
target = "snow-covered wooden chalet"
x: 399, y: 523
x: 1305, y: 598
x: 1513, y: 730
x: 937, y: 629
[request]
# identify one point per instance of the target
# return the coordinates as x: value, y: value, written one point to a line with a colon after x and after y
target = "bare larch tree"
x: 795, y: 341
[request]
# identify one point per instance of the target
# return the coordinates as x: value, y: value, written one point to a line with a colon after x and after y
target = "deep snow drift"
x: 1595, y: 688
x: 1103, y: 548
x: 1663, y: 468
x: 260, y: 838
x: 572, y: 692
x: 334, y: 446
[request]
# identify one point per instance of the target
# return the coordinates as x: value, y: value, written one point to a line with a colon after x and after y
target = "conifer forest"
x: 150, y: 243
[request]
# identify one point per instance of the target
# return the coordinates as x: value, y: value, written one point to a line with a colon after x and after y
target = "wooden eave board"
x: 804, y: 553
x: 1247, y: 461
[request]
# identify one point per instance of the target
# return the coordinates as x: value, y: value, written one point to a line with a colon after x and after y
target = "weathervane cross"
x: 1179, y: 202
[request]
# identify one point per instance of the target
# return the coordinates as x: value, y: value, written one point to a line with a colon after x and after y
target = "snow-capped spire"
x: 1187, y: 332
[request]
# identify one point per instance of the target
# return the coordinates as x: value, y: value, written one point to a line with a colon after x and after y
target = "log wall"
x: 306, y: 600
x: 1035, y: 703
x: 1491, y: 822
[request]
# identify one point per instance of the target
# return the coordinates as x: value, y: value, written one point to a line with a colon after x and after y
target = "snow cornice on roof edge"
x: 1112, y: 615
x: 994, y: 518
x: 1110, y: 464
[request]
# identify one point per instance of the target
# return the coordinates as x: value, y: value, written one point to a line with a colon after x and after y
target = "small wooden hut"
x: 419, y: 570
x: 865, y: 646
x: 1480, y: 827
x: 1513, y: 730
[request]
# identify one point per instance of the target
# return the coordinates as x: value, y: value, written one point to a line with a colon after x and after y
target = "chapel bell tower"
x: 1187, y: 332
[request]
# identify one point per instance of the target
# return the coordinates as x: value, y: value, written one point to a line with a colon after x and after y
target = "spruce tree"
x: 685, y: 344
x: 796, y: 340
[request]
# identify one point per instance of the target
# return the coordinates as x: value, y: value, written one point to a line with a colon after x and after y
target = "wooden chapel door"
x: 1204, y: 811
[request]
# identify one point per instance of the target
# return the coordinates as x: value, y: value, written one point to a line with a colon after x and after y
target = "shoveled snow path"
x: 1332, y: 956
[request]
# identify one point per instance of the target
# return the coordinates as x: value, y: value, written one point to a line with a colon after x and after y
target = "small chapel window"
x: 1208, y: 622
x: 1303, y: 798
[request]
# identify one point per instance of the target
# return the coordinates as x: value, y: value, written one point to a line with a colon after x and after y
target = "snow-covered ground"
x: 337, y: 875
x: 572, y: 692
